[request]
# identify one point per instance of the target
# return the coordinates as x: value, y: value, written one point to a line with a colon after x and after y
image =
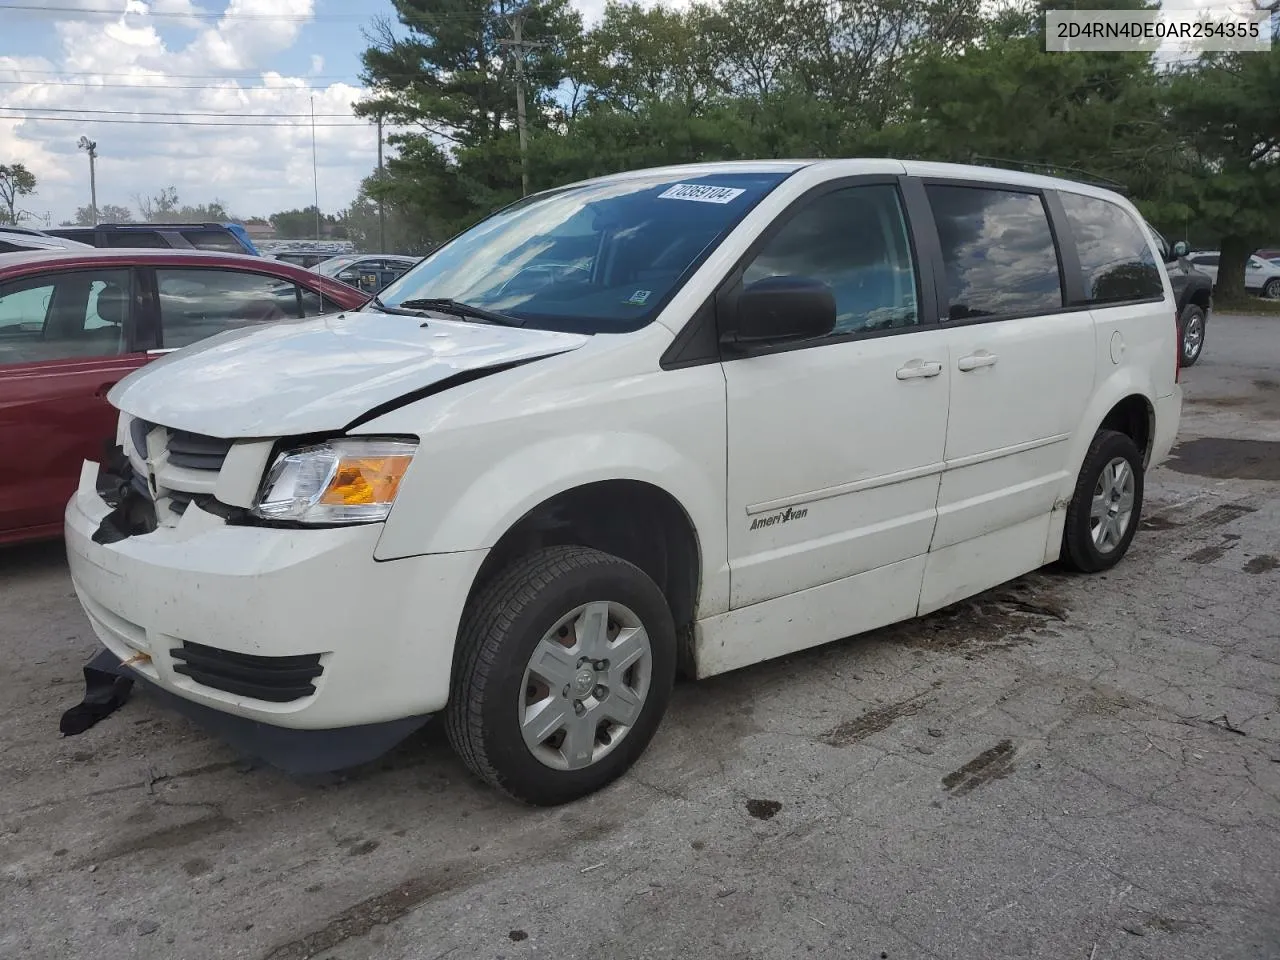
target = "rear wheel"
x: 1193, y: 329
x: 1107, y: 504
x: 565, y: 667
x: 1272, y: 290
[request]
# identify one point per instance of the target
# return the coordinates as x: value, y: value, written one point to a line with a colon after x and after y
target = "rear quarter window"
x: 223, y: 242
x: 1116, y: 260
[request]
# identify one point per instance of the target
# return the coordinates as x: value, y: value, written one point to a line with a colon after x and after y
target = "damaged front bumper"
x: 291, y: 642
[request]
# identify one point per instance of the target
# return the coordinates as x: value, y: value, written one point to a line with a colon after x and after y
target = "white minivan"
x: 692, y: 417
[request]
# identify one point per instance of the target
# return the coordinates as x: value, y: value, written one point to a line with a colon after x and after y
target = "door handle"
x: 975, y: 360
x: 103, y: 390
x: 915, y: 369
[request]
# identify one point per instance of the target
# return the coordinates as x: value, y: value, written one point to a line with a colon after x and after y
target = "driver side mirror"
x: 1179, y: 250
x: 783, y: 309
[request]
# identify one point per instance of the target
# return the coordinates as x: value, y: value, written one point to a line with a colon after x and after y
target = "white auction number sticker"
x: 701, y: 192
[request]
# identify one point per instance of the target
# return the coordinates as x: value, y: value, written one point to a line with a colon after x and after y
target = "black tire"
x: 1079, y: 552
x: 1191, y: 314
x: 1272, y: 289
x: 501, y: 628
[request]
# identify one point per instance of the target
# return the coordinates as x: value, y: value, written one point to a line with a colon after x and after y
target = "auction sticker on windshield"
x: 701, y: 192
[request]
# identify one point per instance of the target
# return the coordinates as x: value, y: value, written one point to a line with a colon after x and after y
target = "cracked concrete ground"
x: 1064, y: 767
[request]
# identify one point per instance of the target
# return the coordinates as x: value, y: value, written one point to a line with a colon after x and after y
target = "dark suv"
x: 1193, y: 289
x: 218, y: 237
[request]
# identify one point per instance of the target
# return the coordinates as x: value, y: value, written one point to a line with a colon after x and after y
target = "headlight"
x: 340, y: 481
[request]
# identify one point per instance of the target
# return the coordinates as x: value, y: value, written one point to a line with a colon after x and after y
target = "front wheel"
x: 565, y: 666
x: 1193, y: 328
x: 1104, y: 511
x: 1272, y: 289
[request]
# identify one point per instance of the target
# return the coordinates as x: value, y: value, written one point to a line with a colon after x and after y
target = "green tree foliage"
x: 301, y: 224
x: 107, y: 213
x: 1225, y: 170
x: 952, y: 80
x: 164, y: 207
x: 15, y: 181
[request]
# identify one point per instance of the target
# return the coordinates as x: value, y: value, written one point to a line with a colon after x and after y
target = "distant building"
x: 260, y: 230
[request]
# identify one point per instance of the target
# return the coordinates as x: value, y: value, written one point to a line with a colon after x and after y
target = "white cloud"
x: 128, y: 60
x: 255, y: 171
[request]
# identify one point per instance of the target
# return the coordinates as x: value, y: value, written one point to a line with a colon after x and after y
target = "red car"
x: 73, y: 323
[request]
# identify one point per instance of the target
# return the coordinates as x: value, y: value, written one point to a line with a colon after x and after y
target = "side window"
x: 1209, y: 261
x: 66, y: 316
x: 1115, y: 258
x: 314, y: 304
x: 195, y: 304
x: 855, y: 241
x: 998, y: 252
x: 218, y: 240
x: 132, y: 239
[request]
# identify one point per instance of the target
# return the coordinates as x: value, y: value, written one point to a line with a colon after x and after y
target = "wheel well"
x: 635, y: 521
x: 1132, y: 416
x: 1200, y: 298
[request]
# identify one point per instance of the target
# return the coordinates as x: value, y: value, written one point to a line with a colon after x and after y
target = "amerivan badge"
x: 786, y: 516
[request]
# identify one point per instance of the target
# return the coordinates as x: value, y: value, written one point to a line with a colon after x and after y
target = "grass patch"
x: 1249, y: 306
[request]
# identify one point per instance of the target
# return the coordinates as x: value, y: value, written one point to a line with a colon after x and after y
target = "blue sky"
x: 152, y: 59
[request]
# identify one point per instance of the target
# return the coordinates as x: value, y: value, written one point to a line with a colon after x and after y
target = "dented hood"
x: 317, y: 375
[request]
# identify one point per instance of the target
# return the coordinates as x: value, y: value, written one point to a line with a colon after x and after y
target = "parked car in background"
x: 302, y: 258
x: 72, y: 323
x: 369, y: 272
x: 1261, y: 277
x: 14, y: 238
x: 219, y: 237
x: 1193, y: 291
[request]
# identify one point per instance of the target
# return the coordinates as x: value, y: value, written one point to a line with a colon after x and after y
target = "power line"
x: 183, y: 76
x: 175, y: 113
x: 205, y: 15
x: 181, y: 123
x: 158, y: 86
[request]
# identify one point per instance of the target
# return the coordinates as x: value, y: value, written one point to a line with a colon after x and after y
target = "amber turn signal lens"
x: 366, y: 480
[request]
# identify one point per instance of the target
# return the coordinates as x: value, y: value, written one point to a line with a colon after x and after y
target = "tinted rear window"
x: 219, y: 240
x: 998, y: 252
x: 129, y: 239
x: 1115, y: 258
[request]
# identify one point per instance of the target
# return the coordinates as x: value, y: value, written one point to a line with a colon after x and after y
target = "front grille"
x: 191, y: 451
x: 186, y: 465
x: 195, y: 451
x: 276, y: 679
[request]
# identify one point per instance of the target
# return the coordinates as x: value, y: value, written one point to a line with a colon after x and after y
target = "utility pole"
x: 382, y: 213
x: 315, y: 177
x: 91, y: 146
x: 518, y: 45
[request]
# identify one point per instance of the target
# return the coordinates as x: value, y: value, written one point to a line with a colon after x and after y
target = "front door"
x: 835, y: 447
x: 65, y: 339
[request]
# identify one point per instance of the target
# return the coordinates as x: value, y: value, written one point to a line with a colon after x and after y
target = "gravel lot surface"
x: 1064, y: 767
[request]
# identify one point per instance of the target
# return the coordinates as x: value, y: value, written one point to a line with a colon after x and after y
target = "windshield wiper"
x: 454, y: 307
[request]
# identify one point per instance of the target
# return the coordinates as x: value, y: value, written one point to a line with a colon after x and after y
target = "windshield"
x: 597, y: 258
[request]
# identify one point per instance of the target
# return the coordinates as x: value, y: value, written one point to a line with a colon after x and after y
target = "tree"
x: 158, y: 208
x: 165, y: 208
x: 301, y: 224
x: 1225, y: 112
x: 15, y: 181
x: 108, y: 213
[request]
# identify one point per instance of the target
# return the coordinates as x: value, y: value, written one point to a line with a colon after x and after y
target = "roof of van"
x: 855, y: 166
